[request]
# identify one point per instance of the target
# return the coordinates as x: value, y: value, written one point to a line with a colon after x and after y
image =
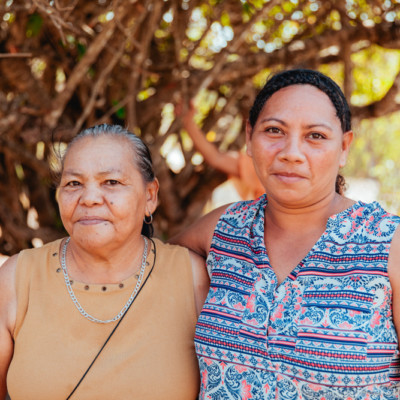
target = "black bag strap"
x: 115, y: 327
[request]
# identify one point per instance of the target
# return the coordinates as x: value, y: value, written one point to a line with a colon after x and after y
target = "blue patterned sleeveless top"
x: 326, y: 332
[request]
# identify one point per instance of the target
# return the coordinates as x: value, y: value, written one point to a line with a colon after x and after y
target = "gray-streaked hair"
x: 142, y: 156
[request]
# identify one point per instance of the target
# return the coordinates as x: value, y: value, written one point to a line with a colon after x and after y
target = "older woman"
x: 304, y: 301
x: 107, y: 312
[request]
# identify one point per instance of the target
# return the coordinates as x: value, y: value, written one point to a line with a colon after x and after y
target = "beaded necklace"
x: 75, y: 300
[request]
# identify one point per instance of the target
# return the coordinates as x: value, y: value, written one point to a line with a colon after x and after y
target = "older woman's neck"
x: 100, y: 266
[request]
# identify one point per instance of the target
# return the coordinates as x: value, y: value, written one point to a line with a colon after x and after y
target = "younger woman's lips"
x: 288, y: 177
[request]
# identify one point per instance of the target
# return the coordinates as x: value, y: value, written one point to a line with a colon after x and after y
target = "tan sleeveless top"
x: 150, y: 356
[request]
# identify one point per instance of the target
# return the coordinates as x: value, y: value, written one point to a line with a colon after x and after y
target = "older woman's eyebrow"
x: 73, y: 172
x: 110, y: 171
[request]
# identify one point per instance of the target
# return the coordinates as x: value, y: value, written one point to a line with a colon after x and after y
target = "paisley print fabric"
x: 326, y: 332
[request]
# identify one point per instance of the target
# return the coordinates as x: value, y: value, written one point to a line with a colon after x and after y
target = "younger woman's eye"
x: 273, y: 130
x: 316, y: 135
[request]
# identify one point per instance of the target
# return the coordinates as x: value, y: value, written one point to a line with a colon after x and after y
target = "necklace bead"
x: 75, y: 300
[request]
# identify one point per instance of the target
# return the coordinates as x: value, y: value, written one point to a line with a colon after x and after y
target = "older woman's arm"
x: 7, y: 318
x: 394, y: 276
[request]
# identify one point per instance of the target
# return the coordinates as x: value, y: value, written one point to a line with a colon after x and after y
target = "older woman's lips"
x: 91, y: 220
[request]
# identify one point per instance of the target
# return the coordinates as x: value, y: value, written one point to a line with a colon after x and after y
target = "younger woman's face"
x: 298, y: 146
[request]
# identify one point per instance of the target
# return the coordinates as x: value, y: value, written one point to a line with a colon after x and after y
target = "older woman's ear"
x: 152, y: 195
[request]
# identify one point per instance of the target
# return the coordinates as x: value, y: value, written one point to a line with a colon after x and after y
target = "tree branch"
x: 78, y: 73
x: 382, y: 107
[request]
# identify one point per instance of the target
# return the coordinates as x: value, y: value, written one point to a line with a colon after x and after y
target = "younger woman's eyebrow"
x: 274, y: 120
x: 310, y: 126
x: 319, y: 124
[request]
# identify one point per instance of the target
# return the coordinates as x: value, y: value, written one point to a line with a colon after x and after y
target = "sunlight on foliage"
x: 374, y: 71
x: 38, y: 67
x: 375, y: 154
x: 197, y: 25
x: 69, y: 65
x: 167, y: 117
x: 172, y: 152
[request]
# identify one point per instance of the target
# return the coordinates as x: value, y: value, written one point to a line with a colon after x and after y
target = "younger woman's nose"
x: 292, y: 150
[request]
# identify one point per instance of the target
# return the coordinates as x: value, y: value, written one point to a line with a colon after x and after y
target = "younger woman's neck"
x: 286, y: 217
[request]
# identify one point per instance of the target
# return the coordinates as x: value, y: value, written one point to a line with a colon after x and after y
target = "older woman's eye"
x: 112, y: 182
x: 72, y: 183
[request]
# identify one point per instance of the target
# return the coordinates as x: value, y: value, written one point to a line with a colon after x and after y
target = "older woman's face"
x: 102, y: 196
x: 298, y: 146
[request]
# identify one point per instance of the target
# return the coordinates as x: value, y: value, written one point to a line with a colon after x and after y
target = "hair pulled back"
x: 141, y: 154
x: 306, y: 77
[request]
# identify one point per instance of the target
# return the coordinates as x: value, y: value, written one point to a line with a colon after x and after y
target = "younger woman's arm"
x: 197, y: 237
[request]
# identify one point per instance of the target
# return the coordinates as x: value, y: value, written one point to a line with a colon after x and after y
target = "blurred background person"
x: 237, y: 165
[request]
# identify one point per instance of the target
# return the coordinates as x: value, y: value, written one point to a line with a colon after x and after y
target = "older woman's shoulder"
x: 8, y: 307
x: 7, y: 269
x: 168, y: 250
x: 8, y: 294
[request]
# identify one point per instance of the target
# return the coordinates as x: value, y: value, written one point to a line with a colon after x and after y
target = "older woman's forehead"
x: 106, y: 142
x: 101, y: 148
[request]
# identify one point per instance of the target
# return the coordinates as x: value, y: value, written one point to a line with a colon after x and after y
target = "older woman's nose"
x: 91, y: 194
x: 292, y: 150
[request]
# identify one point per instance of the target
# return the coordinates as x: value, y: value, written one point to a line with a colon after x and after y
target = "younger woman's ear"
x: 249, y: 132
x: 346, y: 142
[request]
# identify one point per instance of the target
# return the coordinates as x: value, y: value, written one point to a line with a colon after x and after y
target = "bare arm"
x: 198, y: 236
x: 394, y: 276
x: 201, y: 280
x: 8, y: 307
x: 224, y: 162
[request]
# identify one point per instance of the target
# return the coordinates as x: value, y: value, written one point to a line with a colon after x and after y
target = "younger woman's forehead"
x: 299, y: 95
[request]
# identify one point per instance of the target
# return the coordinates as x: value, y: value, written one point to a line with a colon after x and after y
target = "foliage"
x: 66, y: 65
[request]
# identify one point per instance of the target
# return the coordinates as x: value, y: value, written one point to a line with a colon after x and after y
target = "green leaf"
x: 34, y: 25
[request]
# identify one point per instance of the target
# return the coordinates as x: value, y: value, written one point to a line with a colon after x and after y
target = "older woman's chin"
x: 102, y: 236
x: 89, y: 236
